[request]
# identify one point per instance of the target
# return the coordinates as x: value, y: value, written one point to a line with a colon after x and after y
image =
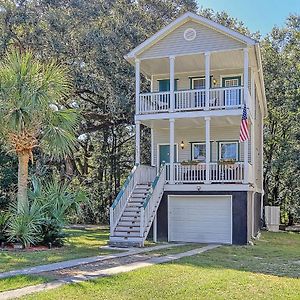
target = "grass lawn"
x: 79, y: 243
x: 268, y: 270
x: 17, y: 282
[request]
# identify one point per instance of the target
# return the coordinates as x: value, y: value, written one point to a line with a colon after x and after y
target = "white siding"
x: 183, y: 79
x: 207, y: 39
x: 229, y: 133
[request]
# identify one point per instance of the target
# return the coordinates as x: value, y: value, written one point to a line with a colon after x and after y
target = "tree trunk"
x: 22, y: 178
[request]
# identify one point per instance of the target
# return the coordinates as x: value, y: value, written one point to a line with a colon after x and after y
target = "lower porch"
x: 200, y: 150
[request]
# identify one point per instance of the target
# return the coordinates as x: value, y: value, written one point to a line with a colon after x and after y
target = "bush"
x: 24, y: 224
x: 4, y: 217
x: 59, y: 202
x: 43, y: 217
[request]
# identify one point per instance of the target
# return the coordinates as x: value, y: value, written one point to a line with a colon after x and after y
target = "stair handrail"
x: 148, y: 209
x: 119, y: 203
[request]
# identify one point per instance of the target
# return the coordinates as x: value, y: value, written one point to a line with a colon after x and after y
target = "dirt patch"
x: 97, y: 266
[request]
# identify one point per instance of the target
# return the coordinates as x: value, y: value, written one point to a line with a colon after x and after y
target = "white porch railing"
x: 140, y: 174
x: 219, y: 98
x: 227, y: 172
x: 232, y: 97
x: 151, y: 203
x: 233, y: 173
x: 189, y: 100
x: 154, y: 102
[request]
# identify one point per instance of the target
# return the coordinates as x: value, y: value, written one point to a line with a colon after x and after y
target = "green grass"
x: 79, y: 243
x: 17, y: 282
x: 267, y: 270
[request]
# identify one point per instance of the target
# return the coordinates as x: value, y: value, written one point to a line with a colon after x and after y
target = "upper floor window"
x: 198, y: 83
x: 198, y: 151
x: 228, y: 150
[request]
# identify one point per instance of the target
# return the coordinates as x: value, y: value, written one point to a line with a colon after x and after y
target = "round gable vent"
x: 189, y: 34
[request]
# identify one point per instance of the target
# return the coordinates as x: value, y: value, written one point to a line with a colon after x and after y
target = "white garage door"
x: 202, y: 219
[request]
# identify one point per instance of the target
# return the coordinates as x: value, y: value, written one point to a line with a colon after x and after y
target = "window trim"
x: 201, y: 142
x: 229, y: 142
x: 199, y: 77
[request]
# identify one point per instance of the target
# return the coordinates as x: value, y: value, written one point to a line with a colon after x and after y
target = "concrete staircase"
x: 128, y: 230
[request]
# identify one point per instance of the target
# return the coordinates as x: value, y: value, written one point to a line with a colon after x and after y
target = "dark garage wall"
x: 239, y: 209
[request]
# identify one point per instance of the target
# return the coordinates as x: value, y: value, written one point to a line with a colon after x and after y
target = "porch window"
x: 228, y: 150
x: 198, y: 83
x: 198, y: 151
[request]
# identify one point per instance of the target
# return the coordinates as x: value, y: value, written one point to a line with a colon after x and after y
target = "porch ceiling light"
x: 182, y: 145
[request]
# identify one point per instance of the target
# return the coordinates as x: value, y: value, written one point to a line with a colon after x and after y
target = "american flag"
x: 244, y: 132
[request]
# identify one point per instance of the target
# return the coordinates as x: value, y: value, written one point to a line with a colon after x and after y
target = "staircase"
x: 134, y: 209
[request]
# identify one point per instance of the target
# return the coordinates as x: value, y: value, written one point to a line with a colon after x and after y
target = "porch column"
x: 155, y: 229
x: 172, y: 80
x: 172, y: 143
x: 207, y: 79
x: 207, y: 148
x: 137, y: 85
x: 253, y: 134
x: 137, y: 142
x: 246, y: 100
x: 152, y: 148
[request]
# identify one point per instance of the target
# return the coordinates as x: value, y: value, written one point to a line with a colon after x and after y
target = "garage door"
x: 202, y: 219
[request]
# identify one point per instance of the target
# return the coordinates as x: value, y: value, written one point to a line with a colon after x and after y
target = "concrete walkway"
x: 101, y: 273
x: 82, y: 261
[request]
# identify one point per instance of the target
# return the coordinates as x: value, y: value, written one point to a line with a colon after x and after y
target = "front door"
x: 232, y: 96
x: 164, y: 153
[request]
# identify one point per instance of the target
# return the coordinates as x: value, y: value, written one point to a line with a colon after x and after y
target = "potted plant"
x: 227, y: 161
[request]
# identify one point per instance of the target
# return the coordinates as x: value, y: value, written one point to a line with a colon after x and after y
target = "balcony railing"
x: 186, y: 100
x: 196, y: 173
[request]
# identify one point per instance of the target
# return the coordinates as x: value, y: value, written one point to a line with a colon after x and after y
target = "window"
x: 198, y: 151
x: 228, y: 150
x: 198, y: 83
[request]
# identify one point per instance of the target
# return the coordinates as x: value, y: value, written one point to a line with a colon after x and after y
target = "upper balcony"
x: 191, y: 100
x: 211, y: 81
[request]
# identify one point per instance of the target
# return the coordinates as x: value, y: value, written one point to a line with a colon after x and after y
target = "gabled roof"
x: 181, y: 20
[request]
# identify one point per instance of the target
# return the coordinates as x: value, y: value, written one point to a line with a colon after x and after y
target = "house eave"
x: 181, y: 20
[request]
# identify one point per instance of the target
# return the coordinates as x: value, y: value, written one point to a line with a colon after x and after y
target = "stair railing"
x: 140, y: 174
x: 151, y: 203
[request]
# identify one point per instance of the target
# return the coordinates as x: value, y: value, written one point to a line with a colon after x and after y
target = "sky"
x: 257, y: 15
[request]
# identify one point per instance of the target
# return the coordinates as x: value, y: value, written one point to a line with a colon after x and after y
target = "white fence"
x: 219, y: 98
x: 196, y: 173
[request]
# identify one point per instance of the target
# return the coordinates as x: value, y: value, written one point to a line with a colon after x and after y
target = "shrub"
x: 59, y: 202
x: 4, y: 217
x: 24, y: 224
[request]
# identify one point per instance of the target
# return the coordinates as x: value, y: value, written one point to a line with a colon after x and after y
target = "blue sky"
x: 257, y: 15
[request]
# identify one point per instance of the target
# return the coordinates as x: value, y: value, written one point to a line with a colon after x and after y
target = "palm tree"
x: 32, y: 113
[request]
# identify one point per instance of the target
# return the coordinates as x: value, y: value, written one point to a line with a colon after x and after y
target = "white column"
x: 172, y: 80
x: 152, y: 148
x: 172, y: 143
x: 207, y: 148
x: 207, y: 79
x: 246, y: 77
x: 137, y: 85
x: 155, y: 229
x: 137, y: 142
